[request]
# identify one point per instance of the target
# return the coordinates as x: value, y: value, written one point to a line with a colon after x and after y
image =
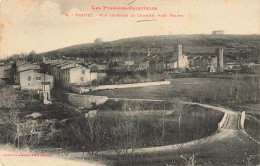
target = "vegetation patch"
x: 238, y: 90
x: 121, y: 132
x: 252, y: 127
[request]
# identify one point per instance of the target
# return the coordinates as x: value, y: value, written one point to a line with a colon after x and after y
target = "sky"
x: 44, y: 25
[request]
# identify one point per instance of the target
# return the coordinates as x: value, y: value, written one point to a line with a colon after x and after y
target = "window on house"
x: 82, y: 79
x: 82, y: 71
x: 38, y: 78
x: 29, y: 78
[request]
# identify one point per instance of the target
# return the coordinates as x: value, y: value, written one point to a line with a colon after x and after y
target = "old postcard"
x: 129, y: 82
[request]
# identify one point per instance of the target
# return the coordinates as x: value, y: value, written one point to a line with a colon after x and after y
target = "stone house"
x: 5, y: 71
x: 30, y: 79
x: 77, y: 75
x: 203, y: 63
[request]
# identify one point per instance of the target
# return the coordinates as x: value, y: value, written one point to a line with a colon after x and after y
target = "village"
x: 65, y: 72
x: 79, y: 76
x: 61, y: 103
x: 142, y: 83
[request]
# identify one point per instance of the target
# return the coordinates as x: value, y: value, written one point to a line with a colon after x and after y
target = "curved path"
x: 233, y: 118
x: 228, y: 130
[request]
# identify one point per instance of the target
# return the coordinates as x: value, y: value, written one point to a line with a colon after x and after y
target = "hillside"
x: 236, y: 47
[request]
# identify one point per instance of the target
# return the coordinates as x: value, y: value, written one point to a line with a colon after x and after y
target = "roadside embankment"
x: 85, y: 101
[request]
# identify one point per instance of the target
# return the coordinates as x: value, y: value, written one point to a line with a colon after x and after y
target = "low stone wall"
x: 80, y: 90
x: 102, y: 87
x: 85, y: 101
x: 76, y: 89
x: 222, y: 122
x: 242, y: 120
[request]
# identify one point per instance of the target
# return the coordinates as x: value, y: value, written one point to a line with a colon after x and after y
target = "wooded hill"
x: 236, y: 47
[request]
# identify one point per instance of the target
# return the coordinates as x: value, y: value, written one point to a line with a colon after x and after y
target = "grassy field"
x: 206, y: 90
x: 252, y: 127
x: 196, y: 122
x: 182, y: 87
x: 241, y: 93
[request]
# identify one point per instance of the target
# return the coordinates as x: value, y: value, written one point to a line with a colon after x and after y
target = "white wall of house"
x: 175, y: 64
x: 93, y: 76
x: 31, y: 80
x: 130, y: 63
x: 78, y: 75
x: 182, y: 61
x: 58, y: 77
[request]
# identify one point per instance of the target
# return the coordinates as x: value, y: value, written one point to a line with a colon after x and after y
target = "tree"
x: 125, y: 131
x: 91, y: 134
x: 8, y: 98
x: 178, y: 106
x: 9, y: 102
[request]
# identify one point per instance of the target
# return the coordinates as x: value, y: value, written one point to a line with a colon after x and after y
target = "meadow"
x: 230, y: 91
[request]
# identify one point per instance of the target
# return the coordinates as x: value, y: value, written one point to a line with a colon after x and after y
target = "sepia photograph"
x: 129, y: 82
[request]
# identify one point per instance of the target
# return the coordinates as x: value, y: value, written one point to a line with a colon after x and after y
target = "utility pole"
x: 43, y: 85
x: 83, y: 147
x: 18, y: 131
x: 90, y: 77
